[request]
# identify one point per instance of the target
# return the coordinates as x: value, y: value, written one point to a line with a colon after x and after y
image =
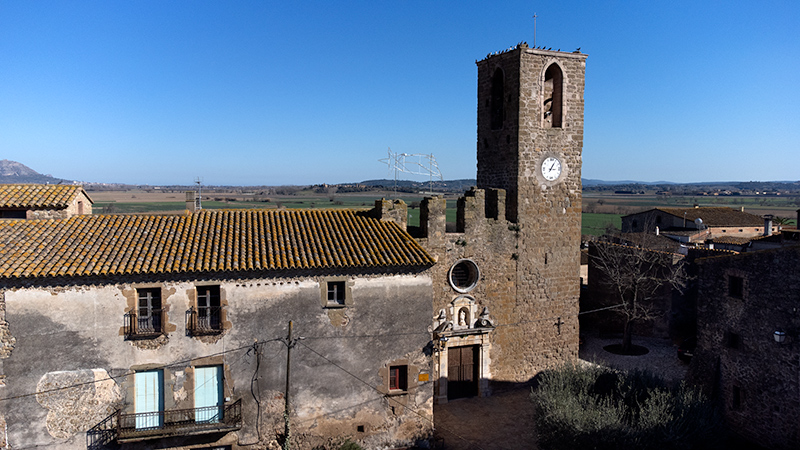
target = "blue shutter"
x: 208, y: 394
x: 149, y: 401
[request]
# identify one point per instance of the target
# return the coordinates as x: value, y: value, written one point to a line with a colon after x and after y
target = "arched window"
x: 497, y: 109
x: 552, y: 90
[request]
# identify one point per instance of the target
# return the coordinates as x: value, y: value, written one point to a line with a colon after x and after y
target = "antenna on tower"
x: 198, y: 201
x: 415, y: 164
x: 534, y: 29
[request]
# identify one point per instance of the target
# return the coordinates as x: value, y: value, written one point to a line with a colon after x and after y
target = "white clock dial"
x: 551, y: 168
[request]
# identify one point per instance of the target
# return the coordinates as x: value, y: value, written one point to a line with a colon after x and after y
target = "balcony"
x: 143, y: 327
x: 203, y: 321
x: 121, y: 428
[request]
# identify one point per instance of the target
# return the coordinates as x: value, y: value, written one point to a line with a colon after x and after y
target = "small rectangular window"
x: 736, y: 398
x: 733, y: 340
x: 736, y: 286
x: 336, y: 293
x: 206, y: 316
x: 150, y: 312
x: 398, y: 378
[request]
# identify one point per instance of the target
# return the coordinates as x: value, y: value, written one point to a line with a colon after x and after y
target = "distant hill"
x: 12, y: 172
x: 591, y: 182
x: 447, y: 185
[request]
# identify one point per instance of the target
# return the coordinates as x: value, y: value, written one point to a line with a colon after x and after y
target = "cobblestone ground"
x: 662, y: 358
x: 505, y: 421
x: 501, y: 422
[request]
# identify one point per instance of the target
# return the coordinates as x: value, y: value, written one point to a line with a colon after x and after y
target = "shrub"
x: 600, y: 408
x: 350, y: 445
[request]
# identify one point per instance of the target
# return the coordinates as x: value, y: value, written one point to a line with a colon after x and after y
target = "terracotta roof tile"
x: 38, y: 196
x: 215, y: 241
x: 717, y: 216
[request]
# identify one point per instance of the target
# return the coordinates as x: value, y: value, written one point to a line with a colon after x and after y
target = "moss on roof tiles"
x: 717, y: 216
x: 36, y: 196
x: 215, y: 241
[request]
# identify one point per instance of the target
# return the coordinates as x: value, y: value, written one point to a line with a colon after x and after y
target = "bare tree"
x: 635, y: 278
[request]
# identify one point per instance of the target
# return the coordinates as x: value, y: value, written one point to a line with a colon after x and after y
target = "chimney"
x: 191, y: 201
x: 768, y: 225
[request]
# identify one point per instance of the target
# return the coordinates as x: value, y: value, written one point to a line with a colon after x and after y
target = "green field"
x: 596, y: 224
x: 599, y: 210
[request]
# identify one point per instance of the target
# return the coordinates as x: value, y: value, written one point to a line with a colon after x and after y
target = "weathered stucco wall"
x: 73, y: 334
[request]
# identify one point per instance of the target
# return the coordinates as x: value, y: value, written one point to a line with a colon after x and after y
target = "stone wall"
x: 737, y: 360
x: 544, y: 216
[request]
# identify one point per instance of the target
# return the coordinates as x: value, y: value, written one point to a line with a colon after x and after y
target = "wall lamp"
x: 780, y: 337
x: 441, y: 343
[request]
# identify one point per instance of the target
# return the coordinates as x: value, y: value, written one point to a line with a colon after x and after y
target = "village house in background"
x: 43, y: 201
x: 697, y: 224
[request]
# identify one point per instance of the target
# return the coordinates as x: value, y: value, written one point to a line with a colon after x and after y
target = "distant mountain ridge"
x: 12, y: 172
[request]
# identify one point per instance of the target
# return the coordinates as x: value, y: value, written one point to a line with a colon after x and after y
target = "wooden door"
x: 462, y: 371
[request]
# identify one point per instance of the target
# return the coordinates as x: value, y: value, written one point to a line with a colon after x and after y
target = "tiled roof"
x: 717, y: 216
x: 207, y: 241
x: 36, y: 196
x: 736, y: 240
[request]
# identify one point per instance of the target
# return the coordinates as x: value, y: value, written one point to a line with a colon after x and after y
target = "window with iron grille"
x: 398, y: 378
x: 148, y: 319
x: 206, y: 316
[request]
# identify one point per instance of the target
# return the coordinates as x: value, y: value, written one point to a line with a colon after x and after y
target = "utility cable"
x: 249, y: 346
x: 130, y: 372
x: 411, y: 408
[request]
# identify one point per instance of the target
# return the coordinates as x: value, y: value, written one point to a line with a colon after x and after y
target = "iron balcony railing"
x: 138, y: 327
x: 120, y: 427
x: 203, y: 320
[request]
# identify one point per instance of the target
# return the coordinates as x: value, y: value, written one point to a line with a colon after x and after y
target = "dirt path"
x: 503, y: 421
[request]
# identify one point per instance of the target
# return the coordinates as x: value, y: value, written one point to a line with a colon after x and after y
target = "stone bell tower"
x: 530, y: 137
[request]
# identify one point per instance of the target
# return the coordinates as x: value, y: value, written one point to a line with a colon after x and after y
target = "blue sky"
x: 300, y: 92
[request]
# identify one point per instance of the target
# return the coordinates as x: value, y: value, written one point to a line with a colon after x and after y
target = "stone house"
x: 169, y: 331
x: 748, y: 342
x: 43, y: 201
x: 683, y: 224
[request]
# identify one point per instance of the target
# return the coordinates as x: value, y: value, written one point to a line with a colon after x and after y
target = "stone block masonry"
x: 517, y: 232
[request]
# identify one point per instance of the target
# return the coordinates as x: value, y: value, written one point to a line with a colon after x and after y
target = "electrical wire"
x: 390, y: 399
x: 249, y: 346
x: 130, y: 372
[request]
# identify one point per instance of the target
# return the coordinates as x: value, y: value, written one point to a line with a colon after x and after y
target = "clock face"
x: 551, y: 168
